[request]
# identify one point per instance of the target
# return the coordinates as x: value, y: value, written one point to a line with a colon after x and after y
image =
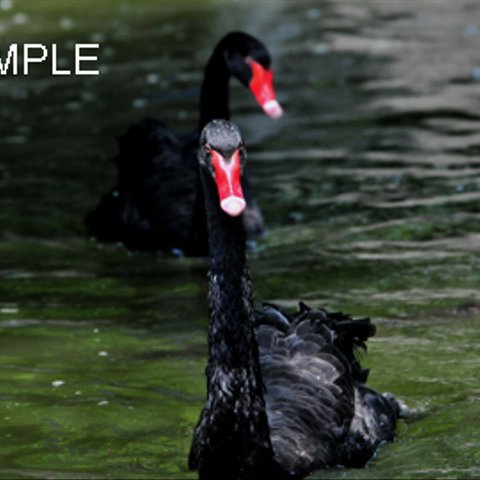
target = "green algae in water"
x: 372, y: 204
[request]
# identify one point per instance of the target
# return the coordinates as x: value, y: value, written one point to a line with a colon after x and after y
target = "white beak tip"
x: 233, y: 206
x: 273, y: 109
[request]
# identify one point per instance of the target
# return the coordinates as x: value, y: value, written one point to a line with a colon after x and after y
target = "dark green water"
x: 370, y: 184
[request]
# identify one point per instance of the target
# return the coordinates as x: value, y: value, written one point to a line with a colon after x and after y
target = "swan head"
x: 249, y: 61
x: 222, y: 154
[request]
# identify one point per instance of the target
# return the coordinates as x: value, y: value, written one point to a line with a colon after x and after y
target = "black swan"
x: 156, y: 204
x: 286, y: 394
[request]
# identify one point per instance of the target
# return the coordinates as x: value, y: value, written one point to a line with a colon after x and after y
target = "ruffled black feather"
x: 286, y: 391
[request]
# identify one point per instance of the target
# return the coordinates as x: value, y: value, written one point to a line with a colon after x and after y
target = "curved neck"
x: 214, y: 93
x: 239, y: 436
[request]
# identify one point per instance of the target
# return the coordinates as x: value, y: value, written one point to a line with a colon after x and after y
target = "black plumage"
x: 157, y: 202
x: 285, y: 393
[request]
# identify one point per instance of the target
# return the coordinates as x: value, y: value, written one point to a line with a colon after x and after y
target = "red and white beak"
x: 261, y: 86
x: 227, y: 177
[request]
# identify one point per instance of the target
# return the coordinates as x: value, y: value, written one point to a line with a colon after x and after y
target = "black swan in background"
x: 286, y: 394
x: 157, y: 204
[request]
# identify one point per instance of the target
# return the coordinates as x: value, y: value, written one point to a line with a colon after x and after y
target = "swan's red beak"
x: 227, y: 177
x: 261, y: 86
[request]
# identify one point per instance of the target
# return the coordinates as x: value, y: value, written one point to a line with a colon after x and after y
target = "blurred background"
x: 370, y: 185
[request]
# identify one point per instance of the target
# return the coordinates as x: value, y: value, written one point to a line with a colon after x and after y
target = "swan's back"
x: 319, y: 412
x: 158, y: 170
x: 153, y: 205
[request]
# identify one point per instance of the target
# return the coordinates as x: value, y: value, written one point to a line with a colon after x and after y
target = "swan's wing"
x: 309, y: 394
x: 155, y: 168
x: 153, y: 205
x: 374, y: 423
x: 158, y: 170
x: 319, y: 411
x: 142, y: 143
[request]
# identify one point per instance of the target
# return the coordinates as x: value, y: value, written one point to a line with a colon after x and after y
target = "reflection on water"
x: 370, y: 183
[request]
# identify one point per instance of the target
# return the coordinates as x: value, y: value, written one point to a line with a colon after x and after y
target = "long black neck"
x: 230, y: 296
x: 237, y: 440
x: 214, y: 93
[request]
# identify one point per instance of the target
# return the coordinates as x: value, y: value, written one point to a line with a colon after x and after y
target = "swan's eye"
x: 207, y: 161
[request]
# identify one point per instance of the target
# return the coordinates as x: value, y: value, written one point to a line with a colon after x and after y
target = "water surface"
x: 370, y: 184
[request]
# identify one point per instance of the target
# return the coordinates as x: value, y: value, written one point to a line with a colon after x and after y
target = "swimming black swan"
x: 286, y: 394
x: 156, y: 203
